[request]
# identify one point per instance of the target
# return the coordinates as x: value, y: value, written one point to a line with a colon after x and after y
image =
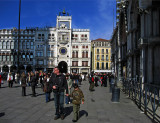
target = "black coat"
x: 33, y: 81
x: 60, y: 82
x: 23, y: 81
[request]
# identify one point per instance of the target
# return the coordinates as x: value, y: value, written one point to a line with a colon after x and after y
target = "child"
x: 77, y: 95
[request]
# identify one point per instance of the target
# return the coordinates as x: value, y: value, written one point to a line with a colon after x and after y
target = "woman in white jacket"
x: 10, y: 80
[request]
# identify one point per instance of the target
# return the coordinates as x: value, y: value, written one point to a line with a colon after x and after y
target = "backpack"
x: 92, y: 79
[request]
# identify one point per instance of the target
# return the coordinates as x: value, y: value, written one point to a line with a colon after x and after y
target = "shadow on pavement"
x: 68, y: 110
x: 83, y: 112
x: 40, y: 94
x: 2, y: 114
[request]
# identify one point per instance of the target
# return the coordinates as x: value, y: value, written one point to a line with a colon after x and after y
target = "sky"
x: 97, y: 15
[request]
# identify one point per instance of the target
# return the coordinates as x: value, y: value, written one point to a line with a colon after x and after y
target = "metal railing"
x: 146, y: 97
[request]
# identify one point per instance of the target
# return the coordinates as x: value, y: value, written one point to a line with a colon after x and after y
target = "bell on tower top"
x: 63, y: 13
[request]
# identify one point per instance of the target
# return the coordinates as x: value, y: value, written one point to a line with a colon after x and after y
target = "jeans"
x: 47, y: 97
x: 59, y: 103
x: 67, y: 99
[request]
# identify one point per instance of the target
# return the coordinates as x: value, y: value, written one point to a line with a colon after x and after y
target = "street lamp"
x: 18, y: 38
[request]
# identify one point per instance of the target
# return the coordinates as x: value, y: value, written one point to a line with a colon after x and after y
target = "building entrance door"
x: 63, y: 67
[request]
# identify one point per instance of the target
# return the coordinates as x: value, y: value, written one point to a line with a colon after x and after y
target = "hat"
x: 75, y: 85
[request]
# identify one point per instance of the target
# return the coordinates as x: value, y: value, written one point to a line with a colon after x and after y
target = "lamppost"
x: 18, y: 39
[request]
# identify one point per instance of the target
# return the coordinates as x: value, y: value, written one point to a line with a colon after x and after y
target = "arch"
x: 63, y: 67
x: 29, y: 68
x: 13, y: 68
x: 5, y: 68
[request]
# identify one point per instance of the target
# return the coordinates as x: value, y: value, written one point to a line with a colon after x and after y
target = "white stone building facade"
x: 45, y: 48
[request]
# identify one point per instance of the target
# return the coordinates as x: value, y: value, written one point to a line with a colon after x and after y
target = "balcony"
x: 63, y: 41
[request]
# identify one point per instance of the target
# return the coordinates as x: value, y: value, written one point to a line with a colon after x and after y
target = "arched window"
x: 0, y: 45
x: 76, y: 54
x: 4, y: 45
x: 12, y: 45
x: 83, y: 54
x: 86, y: 54
x: 24, y: 45
x: 8, y: 45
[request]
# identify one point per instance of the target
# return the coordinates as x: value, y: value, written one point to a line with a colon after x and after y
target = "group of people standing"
x: 63, y: 86
x: 100, y: 79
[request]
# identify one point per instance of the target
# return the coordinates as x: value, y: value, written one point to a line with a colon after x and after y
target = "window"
x: 83, y: 46
x: 23, y: 57
x: 106, y: 57
x: 84, y: 63
x: 106, y: 65
x: 97, y: 50
x: 12, y: 58
x: 28, y: 59
x: 85, y: 35
x: 86, y: 46
x: 31, y: 45
x: 102, y: 51
x: 74, y: 63
x: 8, y: 45
x: 76, y: 54
x: 24, y: 45
x: 76, y: 35
x: 106, y: 51
x: 97, y: 57
x: 0, y: 58
x: 4, y: 58
x: 40, y: 62
x: 31, y: 57
x: 102, y: 57
x: 28, y: 44
x: 73, y: 54
x: 102, y: 65
x: 39, y: 54
x: 8, y: 58
x: 49, y: 53
x: 73, y: 46
x: 97, y: 65
x: 4, y: 45
x: 85, y: 54
x: 77, y: 46
x: 0, y: 45
x: 12, y: 45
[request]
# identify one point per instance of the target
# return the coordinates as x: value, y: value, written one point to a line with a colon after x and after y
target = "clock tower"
x: 63, y: 28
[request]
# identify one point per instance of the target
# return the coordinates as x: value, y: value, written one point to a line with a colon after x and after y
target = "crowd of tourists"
x: 63, y: 86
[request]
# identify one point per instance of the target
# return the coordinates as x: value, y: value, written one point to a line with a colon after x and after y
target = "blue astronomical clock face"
x: 63, y: 50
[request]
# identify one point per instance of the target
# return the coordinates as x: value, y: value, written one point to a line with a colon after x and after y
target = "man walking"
x: 59, y: 84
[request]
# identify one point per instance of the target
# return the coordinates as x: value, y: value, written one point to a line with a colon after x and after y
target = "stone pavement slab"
x: 98, y: 107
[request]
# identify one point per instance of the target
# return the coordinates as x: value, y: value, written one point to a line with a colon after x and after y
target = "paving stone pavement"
x: 98, y: 107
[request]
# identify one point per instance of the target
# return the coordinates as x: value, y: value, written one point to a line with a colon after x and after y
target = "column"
x: 150, y: 64
x: 143, y: 65
x: 9, y: 68
x: 25, y: 67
